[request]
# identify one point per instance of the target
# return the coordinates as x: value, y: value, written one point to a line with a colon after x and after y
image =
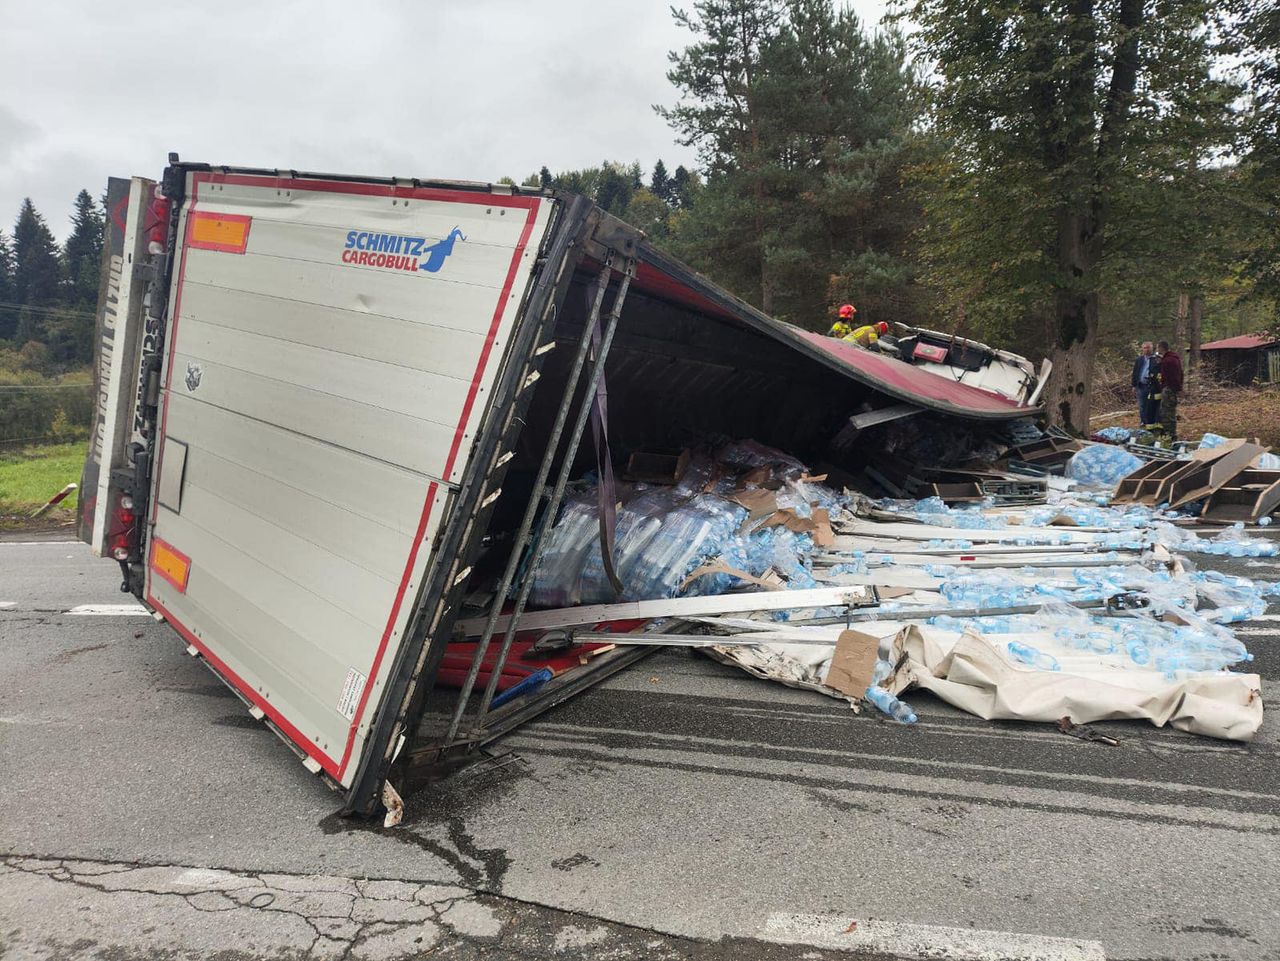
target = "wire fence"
x: 40, y: 414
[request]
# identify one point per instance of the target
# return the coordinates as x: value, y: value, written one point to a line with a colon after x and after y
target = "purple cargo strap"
x: 607, y: 486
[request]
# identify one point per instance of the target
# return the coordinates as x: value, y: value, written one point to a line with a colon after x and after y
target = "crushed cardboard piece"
x: 757, y: 477
x: 852, y: 663
x: 818, y: 525
x: 770, y: 580
x: 759, y: 503
x: 888, y: 593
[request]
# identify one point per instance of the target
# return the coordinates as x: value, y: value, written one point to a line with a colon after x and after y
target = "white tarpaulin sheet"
x: 971, y: 672
x: 975, y: 674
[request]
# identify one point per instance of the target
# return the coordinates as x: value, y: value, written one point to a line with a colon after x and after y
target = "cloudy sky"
x: 470, y: 91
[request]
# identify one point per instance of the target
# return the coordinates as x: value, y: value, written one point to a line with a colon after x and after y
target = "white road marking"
x: 1269, y: 565
x: 4, y: 604
x: 110, y: 610
x: 1264, y: 617
x: 901, y: 939
x: 1258, y: 631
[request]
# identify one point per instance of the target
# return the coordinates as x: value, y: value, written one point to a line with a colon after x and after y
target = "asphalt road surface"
x: 681, y: 810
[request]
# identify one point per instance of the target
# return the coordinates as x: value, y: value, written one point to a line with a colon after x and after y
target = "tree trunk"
x: 766, y: 284
x: 1082, y: 217
x: 1195, y: 317
x: 1180, y: 320
x: 1069, y: 393
x: 1073, y: 326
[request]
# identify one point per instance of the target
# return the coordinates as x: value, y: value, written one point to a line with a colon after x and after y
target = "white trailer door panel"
x: 331, y: 350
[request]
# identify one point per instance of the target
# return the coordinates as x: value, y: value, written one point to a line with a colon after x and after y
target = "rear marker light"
x: 171, y: 564
x: 228, y: 233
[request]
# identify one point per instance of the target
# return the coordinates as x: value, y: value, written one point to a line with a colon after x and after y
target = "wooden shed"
x: 1243, y: 359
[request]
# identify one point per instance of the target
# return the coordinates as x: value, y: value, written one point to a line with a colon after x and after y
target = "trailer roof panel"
x: 662, y: 276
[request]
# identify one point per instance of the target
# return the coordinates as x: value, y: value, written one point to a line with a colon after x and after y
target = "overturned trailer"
x: 333, y: 408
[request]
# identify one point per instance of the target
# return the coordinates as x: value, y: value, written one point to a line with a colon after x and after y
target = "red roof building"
x: 1243, y: 359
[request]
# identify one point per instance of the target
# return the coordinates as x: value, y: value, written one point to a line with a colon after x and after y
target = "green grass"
x: 31, y: 476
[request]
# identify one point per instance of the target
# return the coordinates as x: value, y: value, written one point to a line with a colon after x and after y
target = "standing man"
x: 1145, y: 370
x: 1170, y: 389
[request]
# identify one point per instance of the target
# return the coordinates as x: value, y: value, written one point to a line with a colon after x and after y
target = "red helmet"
x: 882, y: 327
x: 847, y: 311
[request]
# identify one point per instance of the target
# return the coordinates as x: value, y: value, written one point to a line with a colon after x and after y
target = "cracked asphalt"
x: 74, y: 909
x: 681, y: 810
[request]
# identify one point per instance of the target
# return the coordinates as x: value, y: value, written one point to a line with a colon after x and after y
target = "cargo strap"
x: 607, y: 488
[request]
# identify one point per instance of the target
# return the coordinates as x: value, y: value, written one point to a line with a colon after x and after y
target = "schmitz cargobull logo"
x: 365, y: 248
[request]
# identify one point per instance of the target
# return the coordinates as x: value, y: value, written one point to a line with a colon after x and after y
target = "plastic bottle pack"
x: 1101, y: 465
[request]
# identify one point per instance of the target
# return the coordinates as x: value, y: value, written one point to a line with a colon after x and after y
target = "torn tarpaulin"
x: 971, y: 672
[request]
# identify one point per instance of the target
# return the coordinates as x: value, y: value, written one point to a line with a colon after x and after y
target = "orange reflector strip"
x: 228, y: 233
x: 170, y: 563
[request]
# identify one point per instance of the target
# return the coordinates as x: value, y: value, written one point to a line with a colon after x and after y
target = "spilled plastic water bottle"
x: 1032, y: 657
x: 890, y: 705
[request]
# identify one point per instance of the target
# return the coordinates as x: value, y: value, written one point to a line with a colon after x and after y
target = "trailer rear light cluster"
x: 125, y: 521
x: 157, y: 223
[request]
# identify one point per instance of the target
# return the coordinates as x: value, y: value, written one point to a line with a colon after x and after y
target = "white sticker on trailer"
x: 351, y: 692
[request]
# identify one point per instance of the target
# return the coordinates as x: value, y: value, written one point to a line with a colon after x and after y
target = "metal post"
x: 531, y: 511
x: 566, y: 466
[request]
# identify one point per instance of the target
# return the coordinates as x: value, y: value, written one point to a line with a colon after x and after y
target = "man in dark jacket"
x: 1170, y: 389
x: 1145, y: 371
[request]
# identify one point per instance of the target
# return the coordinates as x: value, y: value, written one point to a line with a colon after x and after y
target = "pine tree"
x: 545, y: 179
x: 35, y: 272
x: 82, y: 254
x: 615, y: 185
x: 803, y: 123
x: 683, y: 186
x: 660, y: 182
x: 720, y: 76
x: 8, y: 314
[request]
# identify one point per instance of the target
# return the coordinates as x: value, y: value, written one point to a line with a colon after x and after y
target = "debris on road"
x: 53, y: 501
x: 1005, y: 610
x: 1085, y: 733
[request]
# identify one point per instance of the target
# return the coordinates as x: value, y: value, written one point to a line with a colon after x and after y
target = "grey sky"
x: 469, y: 91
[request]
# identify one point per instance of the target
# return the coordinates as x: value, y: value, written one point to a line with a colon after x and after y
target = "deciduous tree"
x: 1061, y: 122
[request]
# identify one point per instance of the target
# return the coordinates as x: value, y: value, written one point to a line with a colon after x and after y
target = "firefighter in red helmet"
x: 843, y: 326
x: 867, y: 335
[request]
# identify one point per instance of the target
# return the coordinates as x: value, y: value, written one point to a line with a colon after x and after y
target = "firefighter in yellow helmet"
x: 867, y: 335
x: 843, y: 327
